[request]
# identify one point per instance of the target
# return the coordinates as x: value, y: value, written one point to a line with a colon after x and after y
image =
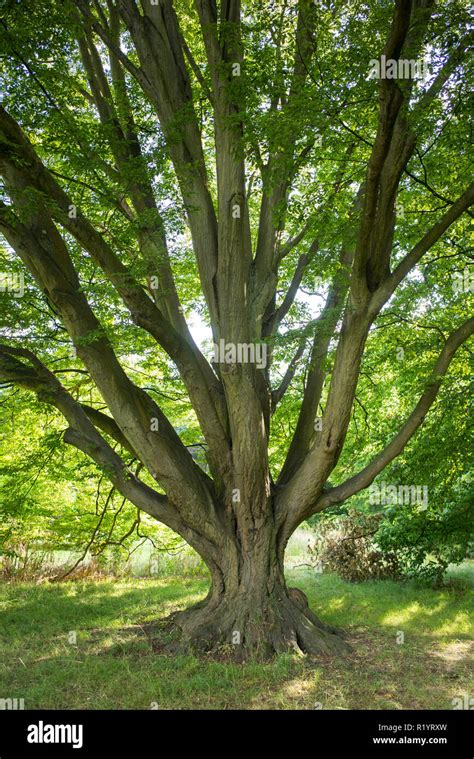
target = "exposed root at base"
x: 239, y: 631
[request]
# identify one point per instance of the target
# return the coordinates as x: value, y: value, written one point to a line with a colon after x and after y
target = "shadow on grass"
x: 85, y: 605
x: 81, y: 606
x: 116, y: 663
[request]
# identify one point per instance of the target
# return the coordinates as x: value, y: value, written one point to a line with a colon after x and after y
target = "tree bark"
x: 250, y: 611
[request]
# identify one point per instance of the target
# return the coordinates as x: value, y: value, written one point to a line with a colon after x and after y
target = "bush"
x: 346, y: 545
x: 400, y: 540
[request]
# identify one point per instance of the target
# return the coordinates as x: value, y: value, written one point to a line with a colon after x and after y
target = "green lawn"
x: 113, y: 666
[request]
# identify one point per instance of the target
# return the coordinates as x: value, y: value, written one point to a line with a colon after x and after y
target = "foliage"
x: 403, y: 540
x: 427, y: 542
x: 440, y: 457
x: 56, y: 507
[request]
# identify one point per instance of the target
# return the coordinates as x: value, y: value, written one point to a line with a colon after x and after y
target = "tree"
x: 260, y: 131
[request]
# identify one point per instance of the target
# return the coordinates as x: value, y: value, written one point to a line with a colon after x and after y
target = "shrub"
x: 346, y: 545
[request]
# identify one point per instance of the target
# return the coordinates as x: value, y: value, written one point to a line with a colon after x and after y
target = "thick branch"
x: 202, y: 384
x: 32, y: 374
x: 44, y: 253
x: 165, y: 81
x: 365, y: 477
x: 384, y: 292
x: 394, y: 144
x: 123, y: 139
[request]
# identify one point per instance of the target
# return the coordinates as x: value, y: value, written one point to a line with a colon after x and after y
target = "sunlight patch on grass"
x: 460, y: 623
x: 301, y: 687
x: 456, y: 651
x: 403, y: 616
x: 113, y: 665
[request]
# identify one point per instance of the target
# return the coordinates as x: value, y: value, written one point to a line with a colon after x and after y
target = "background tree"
x: 148, y: 150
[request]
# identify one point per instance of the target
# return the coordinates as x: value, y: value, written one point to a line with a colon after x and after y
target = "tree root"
x: 240, y: 629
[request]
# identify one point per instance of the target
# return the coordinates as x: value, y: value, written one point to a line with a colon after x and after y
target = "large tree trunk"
x: 251, y: 612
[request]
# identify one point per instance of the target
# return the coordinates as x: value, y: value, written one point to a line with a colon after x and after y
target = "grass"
x: 112, y: 665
